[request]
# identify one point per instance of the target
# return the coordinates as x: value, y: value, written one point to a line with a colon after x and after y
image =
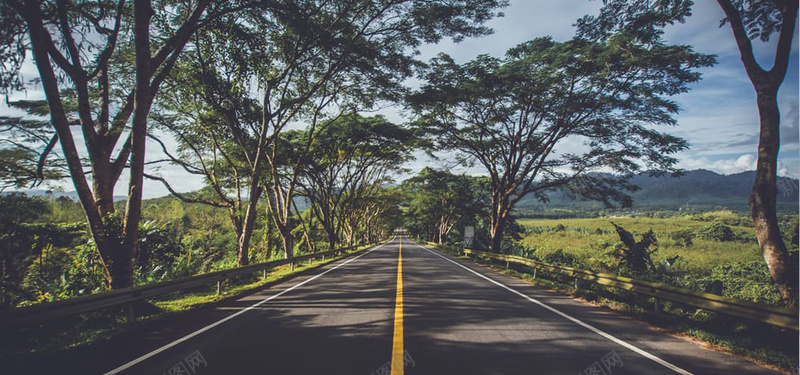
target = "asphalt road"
x: 344, y: 318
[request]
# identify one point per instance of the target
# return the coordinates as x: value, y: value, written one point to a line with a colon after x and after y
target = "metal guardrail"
x: 35, y: 314
x: 773, y: 315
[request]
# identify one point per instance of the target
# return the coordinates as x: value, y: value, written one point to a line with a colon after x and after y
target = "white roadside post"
x: 469, y: 237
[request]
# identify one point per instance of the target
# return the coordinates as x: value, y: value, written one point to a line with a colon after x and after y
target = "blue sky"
x: 719, y: 117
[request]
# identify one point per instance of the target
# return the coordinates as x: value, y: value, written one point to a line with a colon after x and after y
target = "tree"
x: 441, y: 200
x: 26, y: 159
x: 380, y: 214
x: 347, y: 153
x: 310, y: 62
x: 751, y: 19
x: 509, y: 115
x: 80, y: 51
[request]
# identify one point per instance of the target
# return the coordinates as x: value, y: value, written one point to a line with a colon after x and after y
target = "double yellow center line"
x: 397, y: 343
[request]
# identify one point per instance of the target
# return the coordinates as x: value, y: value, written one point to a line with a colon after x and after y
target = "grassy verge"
x: 82, y: 330
x: 759, y: 343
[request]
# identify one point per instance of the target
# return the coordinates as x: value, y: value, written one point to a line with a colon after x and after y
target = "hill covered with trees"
x: 694, y: 190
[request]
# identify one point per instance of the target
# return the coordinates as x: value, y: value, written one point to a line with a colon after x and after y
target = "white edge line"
x: 229, y: 317
x: 570, y: 318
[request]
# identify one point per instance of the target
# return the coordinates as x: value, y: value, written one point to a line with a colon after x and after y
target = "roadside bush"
x: 635, y: 255
x: 717, y: 232
x: 559, y: 257
x: 683, y: 238
x: 746, y: 281
x: 63, y: 273
x: 603, y: 260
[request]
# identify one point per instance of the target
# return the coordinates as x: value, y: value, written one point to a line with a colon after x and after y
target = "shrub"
x: 559, y: 257
x: 749, y: 281
x: 683, y: 238
x: 717, y: 232
x: 636, y: 255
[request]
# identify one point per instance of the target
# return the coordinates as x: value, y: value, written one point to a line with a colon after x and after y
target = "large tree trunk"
x: 60, y: 122
x: 331, y: 239
x: 288, y: 241
x: 497, y: 231
x: 103, y: 182
x: 243, y: 257
x: 268, y: 239
x: 498, y: 224
x: 123, y: 263
x: 763, y: 199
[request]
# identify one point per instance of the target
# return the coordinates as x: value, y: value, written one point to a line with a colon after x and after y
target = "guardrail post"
x: 656, y: 305
x: 219, y: 287
x: 534, y: 274
x: 264, y: 274
x: 130, y: 317
x: 576, y: 283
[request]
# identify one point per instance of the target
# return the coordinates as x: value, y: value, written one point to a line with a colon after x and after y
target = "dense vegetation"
x: 48, y: 255
x: 712, y: 246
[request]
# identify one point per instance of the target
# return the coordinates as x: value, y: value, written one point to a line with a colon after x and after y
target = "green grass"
x: 588, y: 240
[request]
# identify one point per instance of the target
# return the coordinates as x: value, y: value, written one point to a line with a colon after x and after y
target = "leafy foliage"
x: 606, y: 87
x: 717, y: 232
x: 683, y: 238
x: 761, y: 19
x: 349, y: 159
x: 635, y: 255
x: 23, y: 241
x: 439, y: 201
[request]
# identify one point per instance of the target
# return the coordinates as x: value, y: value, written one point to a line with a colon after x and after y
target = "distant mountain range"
x: 55, y: 194
x: 700, y: 188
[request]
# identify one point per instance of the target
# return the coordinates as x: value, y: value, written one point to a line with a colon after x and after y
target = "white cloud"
x: 743, y: 163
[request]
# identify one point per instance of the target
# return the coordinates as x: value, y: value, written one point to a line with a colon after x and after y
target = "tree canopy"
x: 509, y: 114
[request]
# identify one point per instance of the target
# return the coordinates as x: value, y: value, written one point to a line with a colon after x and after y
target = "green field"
x: 590, y: 243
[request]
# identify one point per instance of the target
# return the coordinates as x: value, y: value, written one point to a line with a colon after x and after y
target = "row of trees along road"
x: 102, y: 64
x: 259, y: 94
x: 439, y: 201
